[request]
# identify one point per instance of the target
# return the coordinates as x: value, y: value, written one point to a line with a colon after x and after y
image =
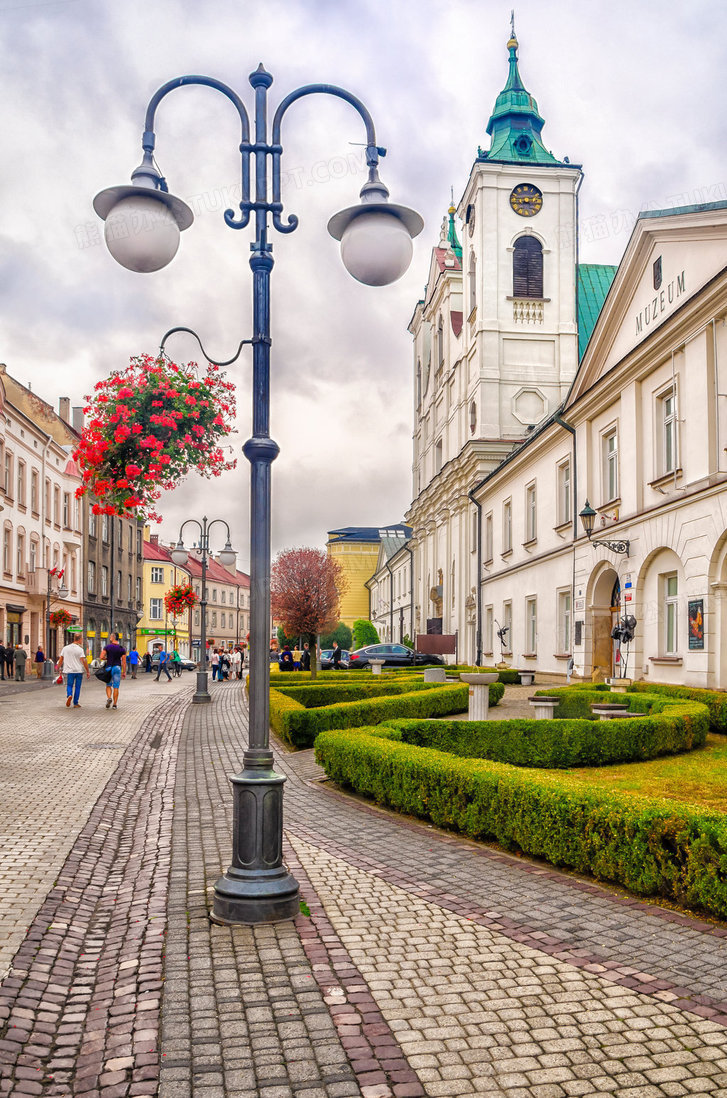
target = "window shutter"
x: 527, y: 268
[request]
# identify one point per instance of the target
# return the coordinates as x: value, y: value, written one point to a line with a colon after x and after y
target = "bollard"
x: 544, y: 707
x: 435, y: 674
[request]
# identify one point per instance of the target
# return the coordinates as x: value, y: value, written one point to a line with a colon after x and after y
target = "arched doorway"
x: 605, y: 609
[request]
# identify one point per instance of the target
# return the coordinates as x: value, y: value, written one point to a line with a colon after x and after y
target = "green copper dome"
x: 452, y: 234
x: 515, y: 124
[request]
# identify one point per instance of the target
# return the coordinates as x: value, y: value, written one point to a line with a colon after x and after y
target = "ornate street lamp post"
x: 61, y: 592
x: 180, y: 556
x: 143, y: 224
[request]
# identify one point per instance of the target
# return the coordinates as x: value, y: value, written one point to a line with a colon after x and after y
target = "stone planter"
x: 609, y: 711
x: 376, y: 666
x: 544, y: 707
x: 435, y: 674
x: 479, y: 693
x: 619, y: 686
x: 527, y: 678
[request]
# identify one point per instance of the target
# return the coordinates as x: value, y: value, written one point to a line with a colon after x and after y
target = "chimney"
x: 77, y: 419
x: 64, y: 409
x: 154, y: 539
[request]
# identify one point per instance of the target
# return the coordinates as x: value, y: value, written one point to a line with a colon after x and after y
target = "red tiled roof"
x: 447, y: 260
x: 215, y: 571
x: 154, y: 551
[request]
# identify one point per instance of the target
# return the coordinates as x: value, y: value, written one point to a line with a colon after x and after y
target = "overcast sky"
x: 629, y: 90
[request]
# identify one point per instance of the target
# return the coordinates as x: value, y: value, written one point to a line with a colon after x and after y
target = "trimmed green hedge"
x: 560, y: 744
x: 300, y: 726
x: 649, y: 846
x: 313, y: 695
x: 715, y: 700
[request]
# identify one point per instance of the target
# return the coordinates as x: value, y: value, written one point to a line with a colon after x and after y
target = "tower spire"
x: 452, y: 238
x: 515, y: 123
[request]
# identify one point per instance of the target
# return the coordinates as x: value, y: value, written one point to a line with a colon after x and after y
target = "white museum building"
x: 544, y: 388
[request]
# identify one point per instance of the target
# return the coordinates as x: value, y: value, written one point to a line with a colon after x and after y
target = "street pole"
x: 202, y: 694
x: 376, y: 248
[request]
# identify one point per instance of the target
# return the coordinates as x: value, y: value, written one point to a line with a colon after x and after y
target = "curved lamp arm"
x: 224, y: 523
x: 373, y: 152
x: 148, y: 140
x: 228, y: 362
x: 186, y: 523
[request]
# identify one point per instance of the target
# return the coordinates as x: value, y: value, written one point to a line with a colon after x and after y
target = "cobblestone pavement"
x: 428, y: 965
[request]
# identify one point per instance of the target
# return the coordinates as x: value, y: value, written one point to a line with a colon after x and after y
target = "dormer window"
x: 527, y: 267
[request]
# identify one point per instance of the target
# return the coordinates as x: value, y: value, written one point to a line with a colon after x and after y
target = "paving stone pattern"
x: 79, y: 1011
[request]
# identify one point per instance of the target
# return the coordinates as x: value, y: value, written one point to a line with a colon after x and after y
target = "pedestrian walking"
x: 2, y: 661
x: 114, y: 656
x: 147, y: 662
x: 133, y: 662
x: 305, y: 657
x: 296, y: 658
x: 72, y: 663
x: 176, y: 663
x: 215, y: 663
x: 336, y: 656
x: 163, y: 665
x: 20, y: 658
x: 9, y: 660
x: 224, y: 672
x: 236, y: 660
x: 39, y: 661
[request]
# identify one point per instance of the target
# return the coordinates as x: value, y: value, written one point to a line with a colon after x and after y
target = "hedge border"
x: 715, y: 700
x: 299, y: 726
x: 649, y: 846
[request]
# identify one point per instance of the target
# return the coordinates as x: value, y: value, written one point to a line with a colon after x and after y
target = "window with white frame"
x: 223, y: 596
x: 488, y: 536
x: 155, y: 609
x: 489, y: 627
x: 105, y: 527
x: 128, y: 587
x: 507, y: 624
x: 564, y: 492
x: 91, y: 577
x: 157, y: 574
x: 507, y: 526
x: 104, y: 580
x: 20, y: 498
x: 531, y: 624
x: 610, y: 465
x: 66, y: 510
x: 138, y: 588
x: 35, y: 492
x: 668, y: 416
x: 20, y: 554
x: 57, y: 505
x: 564, y: 621
x: 33, y: 557
x: 214, y: 620
x: 91, y: 523
x: 7, y: 549
x: 196, y: 617
x: 531, y: 513
x: 670, y: 587
x: 8, y: 473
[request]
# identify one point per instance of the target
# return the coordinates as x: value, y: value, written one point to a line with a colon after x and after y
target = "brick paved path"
x: 429, y: 965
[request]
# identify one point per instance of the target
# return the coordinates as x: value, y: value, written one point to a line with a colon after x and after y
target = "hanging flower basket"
x: 147, y: 428
x: 180, y: 598
x: 60, y: 617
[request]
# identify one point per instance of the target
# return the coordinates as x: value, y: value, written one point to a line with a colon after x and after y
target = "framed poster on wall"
x: 696, y: 624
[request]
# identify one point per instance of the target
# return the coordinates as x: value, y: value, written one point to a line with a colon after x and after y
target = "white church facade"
x: 544, y: 388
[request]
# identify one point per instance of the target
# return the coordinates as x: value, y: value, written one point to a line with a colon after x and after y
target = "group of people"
x: 227, y: 663
x: 13, y: 659
x: 296, y: 660
x: 72, y: 664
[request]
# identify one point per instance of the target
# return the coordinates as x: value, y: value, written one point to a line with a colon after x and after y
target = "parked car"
x: 393, y: 655
x: 327, y: 658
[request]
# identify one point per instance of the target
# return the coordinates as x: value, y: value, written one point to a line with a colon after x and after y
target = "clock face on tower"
x: 526, y: 200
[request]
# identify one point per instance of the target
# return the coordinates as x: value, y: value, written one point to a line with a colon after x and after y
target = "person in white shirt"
x: 72, y: 663
x: 236, y: 659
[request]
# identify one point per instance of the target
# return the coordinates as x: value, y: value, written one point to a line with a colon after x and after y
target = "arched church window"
x: 472, y: 281
x: 527, y: 267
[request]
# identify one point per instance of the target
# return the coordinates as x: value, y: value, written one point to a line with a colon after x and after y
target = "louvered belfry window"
x: 527, y: 268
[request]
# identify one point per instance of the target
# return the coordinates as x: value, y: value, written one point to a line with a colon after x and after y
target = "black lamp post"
x: 61, y: 593
x: 376, y: 248
x: 180, y: 556
x: 588, y: 517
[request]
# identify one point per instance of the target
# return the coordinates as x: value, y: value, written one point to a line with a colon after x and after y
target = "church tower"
x: 495, y: 344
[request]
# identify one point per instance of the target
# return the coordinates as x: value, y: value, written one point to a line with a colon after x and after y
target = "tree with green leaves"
x: 364, y: 633
x: 341, y: 634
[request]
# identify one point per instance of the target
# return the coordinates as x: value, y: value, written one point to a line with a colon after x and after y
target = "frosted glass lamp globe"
x: 142, y: 233
x: 376, y: 248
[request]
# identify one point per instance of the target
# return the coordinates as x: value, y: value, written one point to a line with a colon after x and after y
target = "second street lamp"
x: 376, y: 249
x: 180, y: 556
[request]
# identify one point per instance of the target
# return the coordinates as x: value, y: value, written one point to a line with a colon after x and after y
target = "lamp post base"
x: 257, y: 887
x: 201, y: 695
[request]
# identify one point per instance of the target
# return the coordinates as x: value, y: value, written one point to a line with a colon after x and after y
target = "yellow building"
x: 356, y: 549
x: 156, y: 628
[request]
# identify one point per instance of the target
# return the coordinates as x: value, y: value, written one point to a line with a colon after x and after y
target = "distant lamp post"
x: 180, y: 556
x: 588, y: 517
x: 143, y: 225
x: 60, y: 592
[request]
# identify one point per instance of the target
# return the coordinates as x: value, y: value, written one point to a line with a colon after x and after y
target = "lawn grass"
x: 697, y: 778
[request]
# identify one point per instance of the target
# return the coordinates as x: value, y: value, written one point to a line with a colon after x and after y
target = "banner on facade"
x: 696, y: 624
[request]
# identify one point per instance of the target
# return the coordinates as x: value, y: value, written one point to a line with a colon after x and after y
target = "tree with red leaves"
x: 305, y: 592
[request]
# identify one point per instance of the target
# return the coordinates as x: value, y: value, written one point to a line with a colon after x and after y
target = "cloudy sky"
x: 627, y: 89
